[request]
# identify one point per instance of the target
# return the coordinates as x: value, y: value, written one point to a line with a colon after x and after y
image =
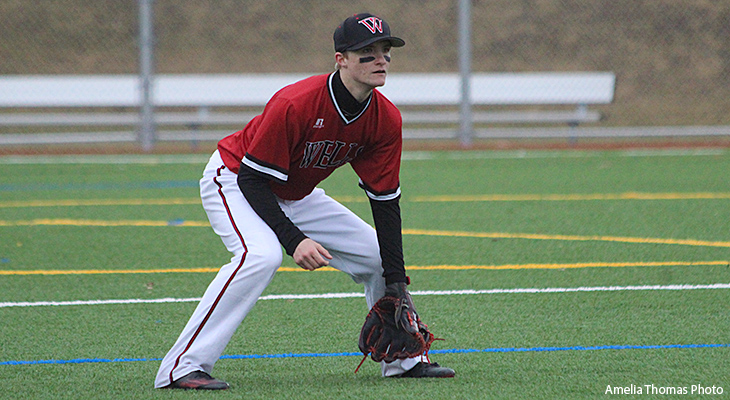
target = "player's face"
x: 368, y: 66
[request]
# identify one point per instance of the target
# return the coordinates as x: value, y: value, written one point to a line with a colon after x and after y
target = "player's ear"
x: 340, y: 60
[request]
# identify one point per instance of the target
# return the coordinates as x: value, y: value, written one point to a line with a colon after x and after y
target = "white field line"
x: 538, y: 154
x: 406, y: 156
x: 350, y: 295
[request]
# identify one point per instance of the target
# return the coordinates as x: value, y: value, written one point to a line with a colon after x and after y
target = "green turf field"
x: 550, y: 274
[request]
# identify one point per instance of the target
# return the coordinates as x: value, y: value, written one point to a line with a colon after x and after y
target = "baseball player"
x: 259, y: 191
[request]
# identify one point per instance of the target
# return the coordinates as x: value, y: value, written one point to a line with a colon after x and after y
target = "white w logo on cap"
x: 373, y: 24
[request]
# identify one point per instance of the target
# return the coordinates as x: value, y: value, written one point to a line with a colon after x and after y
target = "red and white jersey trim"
x: 280, y: 176
x: 380, y: 196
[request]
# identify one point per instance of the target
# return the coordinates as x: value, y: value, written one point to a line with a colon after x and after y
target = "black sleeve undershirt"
x: 256, y: 190
x: 387, y: 218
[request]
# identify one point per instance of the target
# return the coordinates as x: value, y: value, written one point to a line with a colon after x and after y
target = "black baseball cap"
x: 362, y: 30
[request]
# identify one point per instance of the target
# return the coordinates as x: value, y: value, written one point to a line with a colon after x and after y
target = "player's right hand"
x: 310, y: 255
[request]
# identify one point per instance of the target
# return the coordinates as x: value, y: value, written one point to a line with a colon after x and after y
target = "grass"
x: 502, y: 345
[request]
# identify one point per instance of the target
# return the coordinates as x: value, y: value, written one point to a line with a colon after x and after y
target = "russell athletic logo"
x: 373, y: 24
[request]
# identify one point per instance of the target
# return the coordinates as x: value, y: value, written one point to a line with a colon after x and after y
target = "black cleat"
x: 198, y: 380
x: 427, y: 370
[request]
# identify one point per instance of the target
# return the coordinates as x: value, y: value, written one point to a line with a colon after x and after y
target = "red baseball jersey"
x: 302, y: 136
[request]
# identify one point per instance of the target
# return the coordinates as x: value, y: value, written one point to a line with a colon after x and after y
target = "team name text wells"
x: 329, y: 154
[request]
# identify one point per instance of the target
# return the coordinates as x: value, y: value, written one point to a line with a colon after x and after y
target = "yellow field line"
x: 107, y: 271
x: 99, y: 202
x: 573, y: 197
x: 417, y: 232
x: 93, y: 222
x: 574, y: 265
x: 419, y: 199
x: 620, y: 239
x: 409, y: 268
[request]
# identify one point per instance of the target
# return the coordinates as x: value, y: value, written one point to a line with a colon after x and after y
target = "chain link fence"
x: 671, y: 58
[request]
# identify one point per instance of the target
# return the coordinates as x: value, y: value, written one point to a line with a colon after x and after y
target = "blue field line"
x: 579, y: 348
x: 352, y: 354
x: 79, y: 361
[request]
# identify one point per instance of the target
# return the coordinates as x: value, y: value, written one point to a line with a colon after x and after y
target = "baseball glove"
x: 393, y: 330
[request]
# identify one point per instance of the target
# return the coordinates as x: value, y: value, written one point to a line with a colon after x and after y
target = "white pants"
x: 257, y: 255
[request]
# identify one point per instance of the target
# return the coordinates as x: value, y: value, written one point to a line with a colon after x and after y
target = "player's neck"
x: 360, y: 91
x: 347, y: 104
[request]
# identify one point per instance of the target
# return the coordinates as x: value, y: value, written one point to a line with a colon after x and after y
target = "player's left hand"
x: 386, y: 337
x: 406, y: 316
x: 311, y: 255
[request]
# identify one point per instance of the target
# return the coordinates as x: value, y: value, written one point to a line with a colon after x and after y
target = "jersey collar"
x: 340, y: 97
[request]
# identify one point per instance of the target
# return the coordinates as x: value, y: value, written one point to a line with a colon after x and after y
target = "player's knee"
x: 267, y: 256
x: 369, y: 268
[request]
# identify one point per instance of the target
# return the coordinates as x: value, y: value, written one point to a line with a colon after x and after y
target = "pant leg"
x: 353, y: 245
x: 237, y: 286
